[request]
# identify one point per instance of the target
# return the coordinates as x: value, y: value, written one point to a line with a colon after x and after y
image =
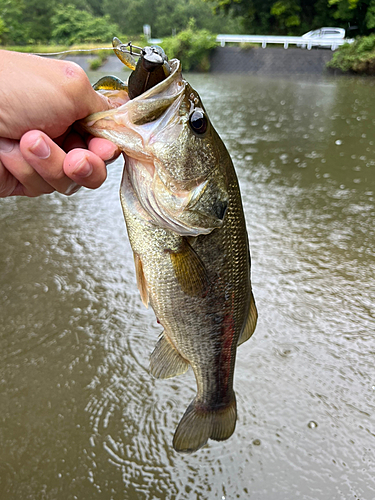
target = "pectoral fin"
x: 250, y: 322
x: 166, y: 361
x: 190, y: 270
x: 141, y: 280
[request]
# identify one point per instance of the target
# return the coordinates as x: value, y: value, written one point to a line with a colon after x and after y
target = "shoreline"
x: 268, y: 61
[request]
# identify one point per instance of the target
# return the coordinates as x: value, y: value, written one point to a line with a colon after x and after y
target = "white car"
x: 325, y: 35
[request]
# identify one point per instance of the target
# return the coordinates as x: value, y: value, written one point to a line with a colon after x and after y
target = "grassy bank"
x: 357, y: 57
x: 96, y: 63
x: 44, y: 49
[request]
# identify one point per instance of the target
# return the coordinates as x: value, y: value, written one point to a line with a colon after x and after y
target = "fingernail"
x: 73, y: 188
x: 41, y: 149
x: 83, y: 169
x: 6, y: 145
x: 114, y: 152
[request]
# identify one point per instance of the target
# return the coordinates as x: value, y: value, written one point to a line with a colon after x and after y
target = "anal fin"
x: 141, y: 280
x: 190, y: 270
x: 250, y: 322
x: 166, y: 361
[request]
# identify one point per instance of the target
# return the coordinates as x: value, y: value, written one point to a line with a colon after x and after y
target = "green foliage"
x: 167, y: 17
x: 357, y: 57
x: 286, y: 14
x: 343, y: 8
x: 130, y: 15
x: 24, y: 22
x: 358, y: 12
x: 370, y: 15
x: 11, y: 14
x: 192, y: 47
x: 98, y: 61
x: 172, y: 16
x: 2, y: 28
x: 95, y: 63
x: 298, y: 16
x: 70, y: 25
x: 31, y: 21
x: 248, y: 46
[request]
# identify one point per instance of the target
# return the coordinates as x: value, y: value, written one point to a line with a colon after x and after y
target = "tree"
x: 130, y: 15
x: 355, y: 12
x: 173, y: 16
x: 286, y: 14
x: 166, y: 17
x: 191, y: 46
x: 2, y: 29
x: 298, y: 16
x: 14, y: 29
x: 370, y: 16
x: 71, y: 25
x: 265, y: 16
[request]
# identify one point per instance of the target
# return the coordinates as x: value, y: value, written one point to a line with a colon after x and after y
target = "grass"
x: 43, y: 49
x: 249, y: 46
x: 100, y: 60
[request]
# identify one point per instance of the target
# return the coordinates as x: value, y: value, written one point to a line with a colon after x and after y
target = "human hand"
x: 38, y: 165
x: 48, y: 95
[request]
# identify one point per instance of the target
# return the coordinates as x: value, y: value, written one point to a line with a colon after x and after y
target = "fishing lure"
x: 152, y: 68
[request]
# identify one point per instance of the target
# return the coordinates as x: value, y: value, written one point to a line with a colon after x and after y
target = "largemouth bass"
x: 185, y: 221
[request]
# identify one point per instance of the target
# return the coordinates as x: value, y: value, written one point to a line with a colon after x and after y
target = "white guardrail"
x: 308, y: 43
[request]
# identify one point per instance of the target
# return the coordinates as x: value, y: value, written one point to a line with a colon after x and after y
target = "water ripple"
x: 81, y: 415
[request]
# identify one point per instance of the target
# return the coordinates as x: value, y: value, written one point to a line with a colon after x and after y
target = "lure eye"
x: 198, y: 121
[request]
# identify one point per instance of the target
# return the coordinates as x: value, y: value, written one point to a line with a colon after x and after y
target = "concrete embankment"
x: 268, y: 61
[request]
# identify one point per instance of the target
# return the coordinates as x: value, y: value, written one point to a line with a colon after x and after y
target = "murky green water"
x: 81, y: 418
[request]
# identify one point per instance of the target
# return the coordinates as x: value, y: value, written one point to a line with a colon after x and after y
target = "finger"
x: 85, y: 168
x: 19, y: 177
x: 47, y: 158
x: 8, y: 182
x: 72, y: 141
x: 61, y: 138
x: 103, y: 148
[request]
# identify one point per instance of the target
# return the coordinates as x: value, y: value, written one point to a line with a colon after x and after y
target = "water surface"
x: 82, y: 418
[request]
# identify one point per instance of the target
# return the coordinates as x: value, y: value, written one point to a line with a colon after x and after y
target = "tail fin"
x: 198, y: 425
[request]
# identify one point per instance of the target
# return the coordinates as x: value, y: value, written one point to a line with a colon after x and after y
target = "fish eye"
x: 198, y: 121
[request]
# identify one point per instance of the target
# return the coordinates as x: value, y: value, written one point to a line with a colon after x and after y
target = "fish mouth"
x: 154, y: 110
x: 136, y: 122
x: 175, y: 75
